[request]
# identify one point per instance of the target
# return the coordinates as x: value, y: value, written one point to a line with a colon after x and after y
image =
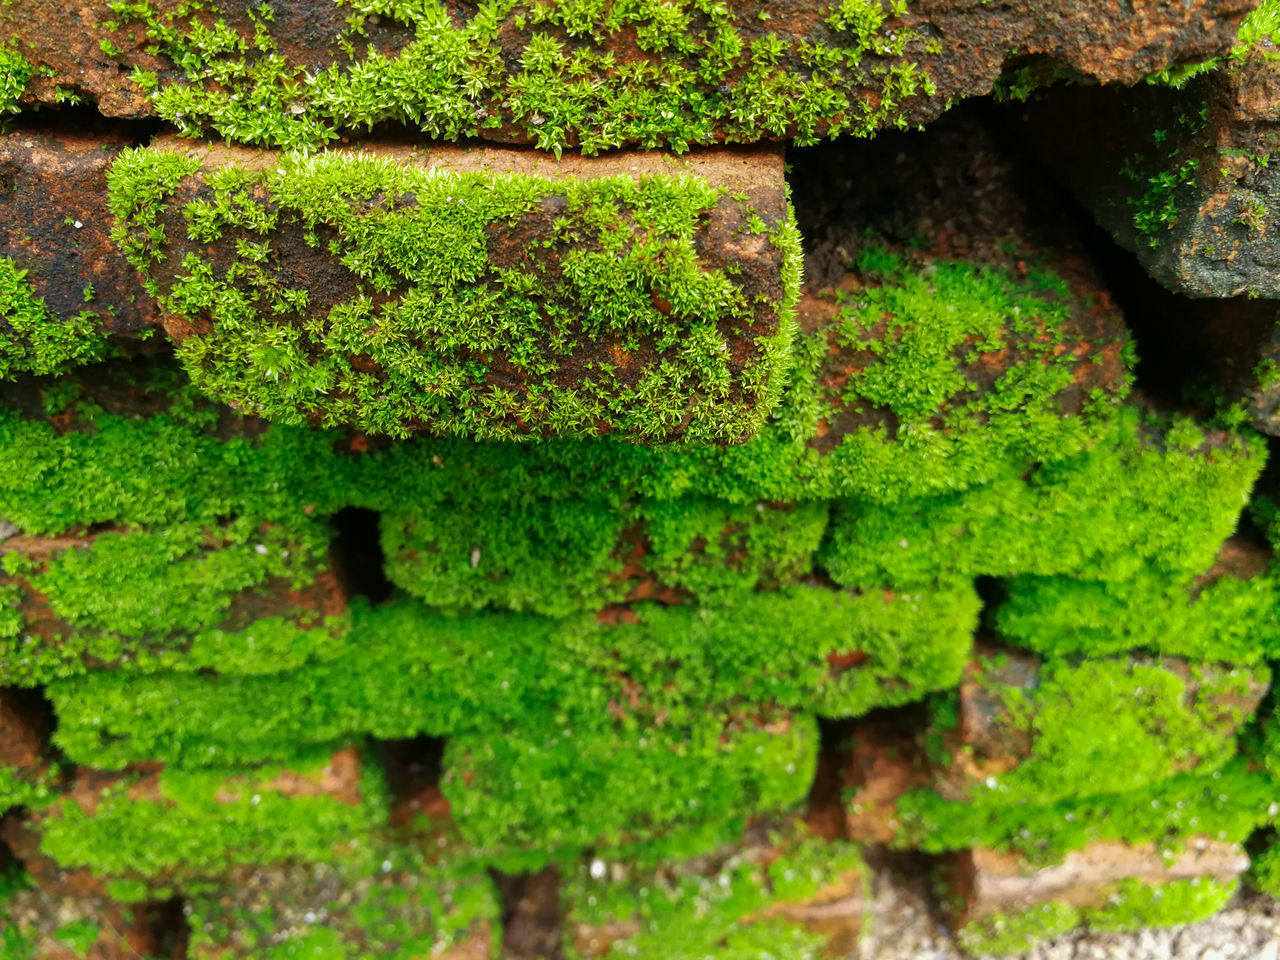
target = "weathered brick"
x: 559, y: 76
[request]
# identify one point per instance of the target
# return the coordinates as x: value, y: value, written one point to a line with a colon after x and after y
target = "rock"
x: 557, y: 77
x: 882, y: 762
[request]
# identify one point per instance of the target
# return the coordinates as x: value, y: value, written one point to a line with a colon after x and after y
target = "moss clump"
x: 710, y: 906
x: 1016, y: 932
x: 193, y: 824
x: 1226, y: 805
x: 33, y: 340
x: 15, y: 71
x: 561, y: 556
x: 530, y: 794
x: 344, y: 913
x: 1228, y: 619
x: 603, y: 317
x: 1158, y: 499
x: 409, y: 671
x: 560, y: 74
x: 1264, y: 870
x: 27, y: 787
x: 1109, y: 726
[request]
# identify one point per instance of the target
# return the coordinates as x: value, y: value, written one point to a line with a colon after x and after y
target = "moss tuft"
x: 33, y: 340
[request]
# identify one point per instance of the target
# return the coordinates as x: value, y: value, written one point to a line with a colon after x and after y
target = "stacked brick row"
x: 649, y: 509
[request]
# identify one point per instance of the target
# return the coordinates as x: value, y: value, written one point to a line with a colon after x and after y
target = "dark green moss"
x: 1225, y: 805
x: 710, y: 906
x: 804, y: 648
x: 1228, y: 619
x: 1109, y: 726
x: 1158, y: 499
x: 33, y: 340
x: 607, y: 320
x: 562, y: 74
x: 557, y: 557
x: 1264, y: 870
x: 527, y: 795
x: 202, y: 823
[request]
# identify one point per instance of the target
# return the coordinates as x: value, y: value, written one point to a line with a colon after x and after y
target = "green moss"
x: 1158, y: 499
x: 709, y: 906
x: 1133, y: 904
x: 552, y: 74
x: 15, y: 71
x: 1264, y: 870
x: 1108, y: 726
x: 609, y: 320
x: 558, y: 557
x: 807, y: 648
x: 343, y: 913
x: 33, y: 340
x: 201, y: 823
x: 1225, y: 805
x: 27, y: 787
x: 538, y: 792
x: 1016, y: 932
x: 1227, y: 620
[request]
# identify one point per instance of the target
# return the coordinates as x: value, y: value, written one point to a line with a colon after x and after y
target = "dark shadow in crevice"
x: 532, y: 920
x: 356, y: 556
x: 84, y: 120
x: 168, y: 927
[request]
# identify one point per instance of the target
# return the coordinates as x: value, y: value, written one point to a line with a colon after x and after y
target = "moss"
x: 1225, y: 805
x: 714, y: 905
x: 1108, y: 726
x: 561, y: 74
x: 201, y: 823
x: 1016, y: 932
x: 1227, y: 620
x: 538, y: 792
x: 608, y: 320
x: 1158, y: 499
x: 27, y: 787
x: 32, y: 339
x: 807, y: 648
x: 340, y: 912
x: 558, y: 557
x: 15, y: 71
x: 1264, y: 870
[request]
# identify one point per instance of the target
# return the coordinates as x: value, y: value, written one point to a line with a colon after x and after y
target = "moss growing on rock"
x: 15, y: 71
x: 32, y: 339
x: 409, y: 671
x: 473, y: 295
x: 1158, y: 499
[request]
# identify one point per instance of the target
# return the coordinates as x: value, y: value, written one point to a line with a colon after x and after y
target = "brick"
x: 52, y: 927
x: 635, y: 294
x: 1020, y: 731
x: 780, y: 71
x: 55, y: 224
x: 773, y: 887
x: 388, y: 912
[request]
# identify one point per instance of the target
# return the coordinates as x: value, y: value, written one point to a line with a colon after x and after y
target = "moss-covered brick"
x: 29, y: 772
x: 67, y: 297
x: 172, y: 824
x: 410, y: 671
x: 1128, y: 905
x: 1226, y: 806
x: 570, y: 74
x: 776, y: 890
x: 537, y: 792
x: 1158, y: 498
x: 560, y: 556
x: 1226, y: 614
x: 1024, y: 732
x: 481, y: 293
x: 330, y: 912
x: 36, y: 925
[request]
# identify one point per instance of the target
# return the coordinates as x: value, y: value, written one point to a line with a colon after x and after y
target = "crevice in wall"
x: 356, y: 555
x: 532, y: 922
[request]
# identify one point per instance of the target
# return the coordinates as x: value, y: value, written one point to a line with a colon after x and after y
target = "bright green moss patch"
x: 24, y: 787
x: 539, y: 792
x: 1130, y: 905
x: 1158, y: 498
x: 1226, y: 805
x: 410, y: 671
x: 1228, y: 620
x: 328, y: 912
x: 480, y: 304
x: 15, y: 71
x: 560, y: 556
x: 559, y: 74
x: 1108, y: 726
x: 201, y: 823
x: 33, y: 340
x: 712, y: 906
